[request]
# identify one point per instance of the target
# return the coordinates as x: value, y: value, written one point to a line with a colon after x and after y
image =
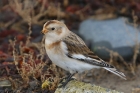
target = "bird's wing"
x: 78, y: 50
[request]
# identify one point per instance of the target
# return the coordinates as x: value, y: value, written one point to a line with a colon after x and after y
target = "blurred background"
x: 110, y: 28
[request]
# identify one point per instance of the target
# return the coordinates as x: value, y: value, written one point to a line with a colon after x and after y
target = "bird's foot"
x: 65, y: 80
x: 64, y: 83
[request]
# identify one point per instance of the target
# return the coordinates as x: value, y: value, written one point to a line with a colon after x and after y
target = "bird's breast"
x: 56, y: 52
x: 58, y: 56
x: 53, y: 45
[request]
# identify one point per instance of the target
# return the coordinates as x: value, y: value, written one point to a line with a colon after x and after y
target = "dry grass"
x: 30, y: 59
x: 31, y: 65
x: 29, y: 11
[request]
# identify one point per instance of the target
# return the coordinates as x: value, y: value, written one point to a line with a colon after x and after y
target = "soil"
x: 111, y: 81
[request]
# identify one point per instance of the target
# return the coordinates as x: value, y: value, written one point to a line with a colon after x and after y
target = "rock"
x: 114, y: 34
x: 36, y: 33
x: 5, y: 83
x: 36, y: 30
x: 7, y: 15
x: 33, y: 84
x: 80, y: 87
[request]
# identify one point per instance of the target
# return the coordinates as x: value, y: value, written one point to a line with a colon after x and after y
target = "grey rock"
x: 114, y: 34
x: 87, y: 80
x: 33, y: 84
x: 5, y: 83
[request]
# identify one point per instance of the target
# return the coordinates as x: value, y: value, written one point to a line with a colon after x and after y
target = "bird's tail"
x: 114, y: 71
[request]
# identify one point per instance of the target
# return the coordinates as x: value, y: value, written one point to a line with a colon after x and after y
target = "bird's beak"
x: 44, y: 31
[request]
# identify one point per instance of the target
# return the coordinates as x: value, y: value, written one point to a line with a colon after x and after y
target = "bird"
x: 69, y: 52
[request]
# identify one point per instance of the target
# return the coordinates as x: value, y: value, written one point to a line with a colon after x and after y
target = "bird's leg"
x: 68, y: 78
x: 65, y: 78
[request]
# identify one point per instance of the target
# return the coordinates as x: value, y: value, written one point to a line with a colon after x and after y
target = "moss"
x: 80, y: 87
x: 45, y: 84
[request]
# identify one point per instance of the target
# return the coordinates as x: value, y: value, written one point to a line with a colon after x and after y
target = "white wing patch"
x: 80, y: 56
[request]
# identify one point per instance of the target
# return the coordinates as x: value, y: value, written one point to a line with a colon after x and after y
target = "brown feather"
x: 53, y: 45
x: 59, y: 31
x: 76, y: 45
x: 50, y: 22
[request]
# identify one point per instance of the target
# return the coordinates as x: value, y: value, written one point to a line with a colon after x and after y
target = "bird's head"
x: 54, y: 30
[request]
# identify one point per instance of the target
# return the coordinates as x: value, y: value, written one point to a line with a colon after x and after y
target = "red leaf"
x: 3, y: 55
x: 28, y: 50
x: 20, y: 37
x: 5, y: 33
x: 73, y: 8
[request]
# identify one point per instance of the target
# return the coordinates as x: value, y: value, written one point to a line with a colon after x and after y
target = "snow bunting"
x: 68, y: 51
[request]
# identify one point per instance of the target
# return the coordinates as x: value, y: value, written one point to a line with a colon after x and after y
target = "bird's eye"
x: 53, y: 28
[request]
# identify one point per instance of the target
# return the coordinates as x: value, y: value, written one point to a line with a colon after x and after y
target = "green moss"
x: 81, y: 87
